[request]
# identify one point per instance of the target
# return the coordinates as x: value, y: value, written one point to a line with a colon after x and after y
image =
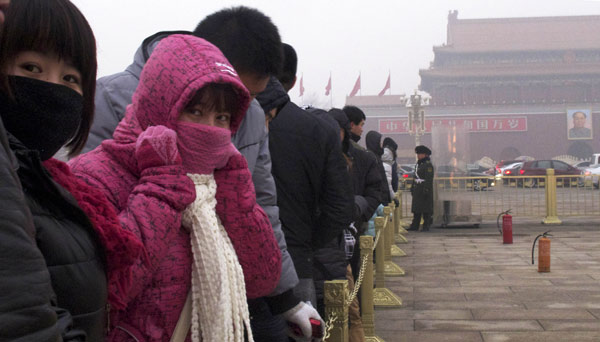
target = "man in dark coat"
x: 331, y: 261
x: 314, y: 192
x: 422, y: 190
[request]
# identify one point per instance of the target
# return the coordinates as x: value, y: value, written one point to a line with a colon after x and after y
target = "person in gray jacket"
x: 238, y: 32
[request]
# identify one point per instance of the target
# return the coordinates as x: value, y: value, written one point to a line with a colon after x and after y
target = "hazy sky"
x: 341, y: 37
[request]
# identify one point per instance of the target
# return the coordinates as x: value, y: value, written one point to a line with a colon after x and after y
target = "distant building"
x: 514, y: 82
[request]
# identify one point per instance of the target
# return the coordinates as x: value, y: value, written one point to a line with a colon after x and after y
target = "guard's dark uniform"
x: 422, y: 194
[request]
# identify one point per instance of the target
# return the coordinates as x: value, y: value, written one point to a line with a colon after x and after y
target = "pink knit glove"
x: 157, y: 146
x: 248, y: 227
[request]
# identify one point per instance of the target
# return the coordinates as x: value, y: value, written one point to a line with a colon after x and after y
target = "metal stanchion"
x: 551, y: 211
x: 396, y: 251
x: 391, y: 268
x: 398, y: 215
x: 336, y: 310
x: 382, y: 296
x: 398, y: 226
x: 367, y: 308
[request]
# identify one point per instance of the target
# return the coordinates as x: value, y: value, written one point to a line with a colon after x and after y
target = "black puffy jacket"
x: 366, y: 181
x: 26, y: 298
x: 69, y: 244
x: 313, y: 185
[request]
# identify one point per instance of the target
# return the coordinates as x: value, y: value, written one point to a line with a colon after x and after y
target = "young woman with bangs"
x: 47, y: 85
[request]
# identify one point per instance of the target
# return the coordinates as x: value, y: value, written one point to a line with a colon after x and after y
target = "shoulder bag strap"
x: 185, y: 321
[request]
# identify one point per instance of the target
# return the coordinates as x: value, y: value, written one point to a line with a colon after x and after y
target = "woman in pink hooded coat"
x: 188, y: 103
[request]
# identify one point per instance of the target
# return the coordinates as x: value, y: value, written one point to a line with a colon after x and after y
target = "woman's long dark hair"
x: 58, y: 27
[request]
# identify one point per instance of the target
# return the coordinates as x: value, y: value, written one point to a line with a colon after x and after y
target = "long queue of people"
x: 198, y: 203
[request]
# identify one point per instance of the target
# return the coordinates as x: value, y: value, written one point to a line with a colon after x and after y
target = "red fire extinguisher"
x: 507, y: 235
x: 543, y: 252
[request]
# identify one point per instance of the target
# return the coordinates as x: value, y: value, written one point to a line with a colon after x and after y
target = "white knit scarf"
x: 219, y: 307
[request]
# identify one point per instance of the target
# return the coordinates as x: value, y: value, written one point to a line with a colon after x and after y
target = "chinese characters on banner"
x: 473, y: 124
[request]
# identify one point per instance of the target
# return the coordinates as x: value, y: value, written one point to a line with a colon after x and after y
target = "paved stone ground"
x: 465, y: 285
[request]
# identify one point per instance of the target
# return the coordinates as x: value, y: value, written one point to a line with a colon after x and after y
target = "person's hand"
x: 157, y: 146
x: 234, y: 183
x: 301, y: 315
x: 419, y: 180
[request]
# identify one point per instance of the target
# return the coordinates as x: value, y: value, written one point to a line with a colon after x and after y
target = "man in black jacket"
x: 313, y: 185
x: 357, y: 121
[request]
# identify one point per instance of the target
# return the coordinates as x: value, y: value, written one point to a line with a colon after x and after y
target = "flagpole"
x: 331, y: 92
x: 301, y: 86
x: 360, y: 78
x: 390, y: 78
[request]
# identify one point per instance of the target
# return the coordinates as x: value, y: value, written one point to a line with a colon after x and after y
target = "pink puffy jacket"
x: 150, y: 201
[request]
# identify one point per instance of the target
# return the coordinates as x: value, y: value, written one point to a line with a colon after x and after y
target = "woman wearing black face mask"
x: 47, y: 83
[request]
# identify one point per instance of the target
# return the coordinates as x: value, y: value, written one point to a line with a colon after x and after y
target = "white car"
x: 508, y: 169
x: 591, y: 174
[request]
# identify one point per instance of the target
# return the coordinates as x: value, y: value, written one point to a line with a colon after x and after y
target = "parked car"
x: 406, y: 173
x: 591, y: 176
x: 478, y: 168
x: 481, y: 182
x: 538, y: 168
x: 503, y: 164
x: 509, y: 170
x: 582, y: 165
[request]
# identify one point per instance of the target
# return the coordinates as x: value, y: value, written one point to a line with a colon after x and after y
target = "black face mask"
x: 44, y: 116
x: 354, y: 137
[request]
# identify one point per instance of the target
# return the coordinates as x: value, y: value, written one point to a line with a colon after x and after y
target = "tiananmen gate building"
x: 520, y: 86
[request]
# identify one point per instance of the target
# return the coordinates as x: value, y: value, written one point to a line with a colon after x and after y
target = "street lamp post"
x: 416, y: 117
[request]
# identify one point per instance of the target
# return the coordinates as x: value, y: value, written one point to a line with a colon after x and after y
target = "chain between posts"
x: 329, y: 326
x: 361, y: 273
x: 357, y: 284
x: 376, y: 239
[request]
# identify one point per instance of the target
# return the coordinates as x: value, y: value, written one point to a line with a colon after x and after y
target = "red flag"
x: 328, y: 87
x: 387, y: 86
x: 301, y: 86
x: 356, y: 87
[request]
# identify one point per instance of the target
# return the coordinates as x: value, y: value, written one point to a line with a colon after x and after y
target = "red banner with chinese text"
x: 473, y: 124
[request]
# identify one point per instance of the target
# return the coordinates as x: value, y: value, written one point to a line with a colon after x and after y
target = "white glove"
x: 419, y: 180
x: 301, y: 315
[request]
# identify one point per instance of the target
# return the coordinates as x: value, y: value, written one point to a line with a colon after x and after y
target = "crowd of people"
x: 198, y: 202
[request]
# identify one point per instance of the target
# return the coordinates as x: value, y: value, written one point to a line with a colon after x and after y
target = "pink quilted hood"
x: 179, y: 66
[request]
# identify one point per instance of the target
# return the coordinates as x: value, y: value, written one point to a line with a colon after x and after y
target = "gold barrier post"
x: 336, y: 310
x: 399, y: 226
x: 551, y: 212
x: 381, y: 295
x: 380, y: 252
x: 391, y: 268
x: 398, y: 221
x: 387, y: 210
x: 396, y: 251
x: 367, y: 308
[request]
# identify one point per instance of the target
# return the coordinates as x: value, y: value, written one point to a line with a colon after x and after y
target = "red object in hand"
x: 317, y: 332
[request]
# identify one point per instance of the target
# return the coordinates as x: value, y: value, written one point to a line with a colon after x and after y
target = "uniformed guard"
x: 422, y: 190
